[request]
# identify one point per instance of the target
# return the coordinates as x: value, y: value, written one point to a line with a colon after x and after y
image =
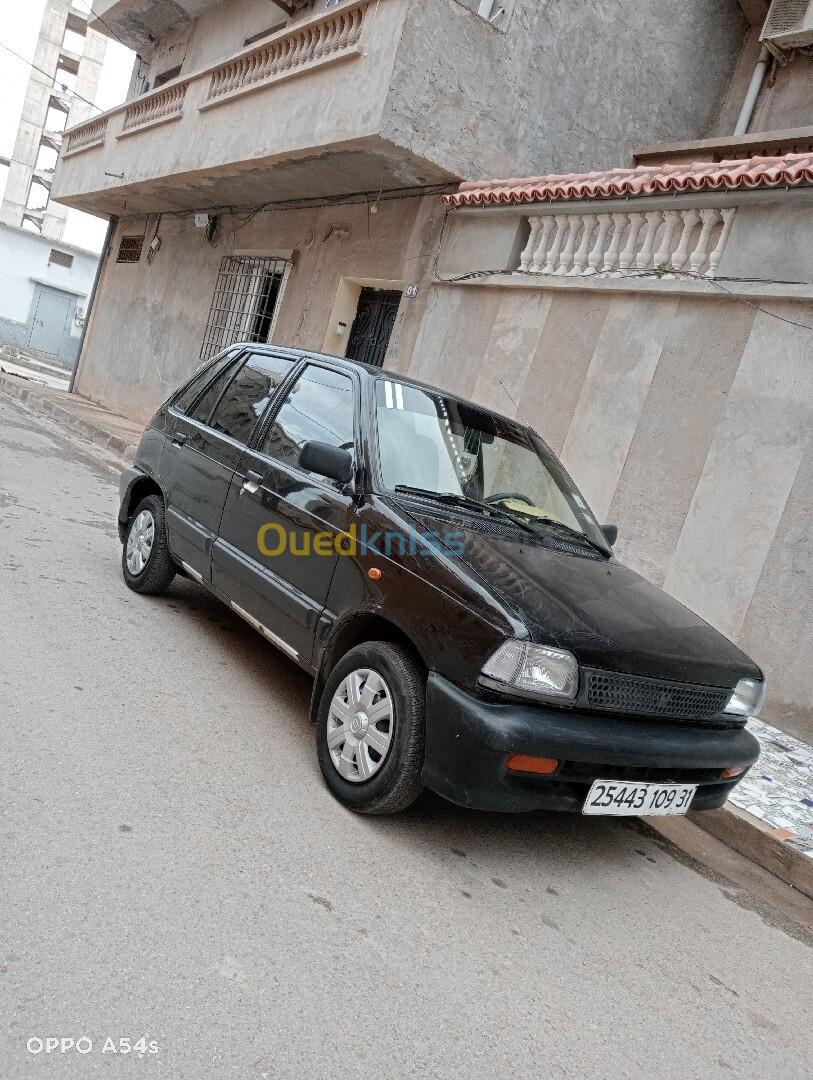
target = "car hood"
x: 607, y: 615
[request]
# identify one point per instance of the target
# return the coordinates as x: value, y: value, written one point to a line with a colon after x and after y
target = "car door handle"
x: 251, y: 485
x: 179, y: 438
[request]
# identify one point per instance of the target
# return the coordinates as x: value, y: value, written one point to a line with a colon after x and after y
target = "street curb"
x: 753, y: 838
x: 42, y: 403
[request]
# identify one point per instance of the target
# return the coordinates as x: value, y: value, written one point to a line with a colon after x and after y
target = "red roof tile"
x: 755, y: 172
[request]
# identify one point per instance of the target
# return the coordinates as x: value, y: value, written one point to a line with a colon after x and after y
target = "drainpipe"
x: 108, y: 239
x: 747, y: 110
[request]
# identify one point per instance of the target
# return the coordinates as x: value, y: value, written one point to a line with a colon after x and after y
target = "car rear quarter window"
x: 248, y: 395
x: 318, y: 408
x: 187, y: 397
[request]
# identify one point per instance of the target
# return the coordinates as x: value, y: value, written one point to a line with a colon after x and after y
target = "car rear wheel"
x: 370, y: 729
x: 145, y: 561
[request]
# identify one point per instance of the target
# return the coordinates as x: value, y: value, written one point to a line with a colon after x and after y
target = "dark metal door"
x: 372, y: 326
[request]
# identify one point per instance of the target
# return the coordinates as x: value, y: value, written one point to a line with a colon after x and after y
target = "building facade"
x: 278, y: 171
x: 281, y: 179
x: 655, y: 323
x: 45, y: 284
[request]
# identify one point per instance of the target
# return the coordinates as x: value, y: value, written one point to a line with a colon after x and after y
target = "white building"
x: 44, y: 290
x: 45, y: 284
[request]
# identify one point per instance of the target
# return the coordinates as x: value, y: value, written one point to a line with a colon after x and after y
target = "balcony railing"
x: 166, y: 105
x: 93, y: 133
x: 673, y: 242
x: 323, y: 39
x: 332, y: 37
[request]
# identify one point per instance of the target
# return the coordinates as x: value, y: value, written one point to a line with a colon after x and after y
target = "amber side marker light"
x: 544, y: 766
x: 374, y: 573
x: 735, y: 770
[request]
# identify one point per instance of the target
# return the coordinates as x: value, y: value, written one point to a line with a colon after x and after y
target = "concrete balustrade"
x: 333, y: 36
x: 82, y: 138
x: 672, y: 242
x: 155, y: 108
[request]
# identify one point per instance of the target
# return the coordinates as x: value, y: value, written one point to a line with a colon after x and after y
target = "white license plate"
x: 615, y: 798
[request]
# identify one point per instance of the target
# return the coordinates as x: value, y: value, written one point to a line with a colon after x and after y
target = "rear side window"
x: 248, y: 395
x: 189, y: 393
x: 319, y: 407
x: 204, y: 407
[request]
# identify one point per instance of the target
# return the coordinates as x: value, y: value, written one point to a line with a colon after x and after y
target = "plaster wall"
x: 686, y: 420
x: 563, y: 87
x: 156, y: 313
x: 784, y: 100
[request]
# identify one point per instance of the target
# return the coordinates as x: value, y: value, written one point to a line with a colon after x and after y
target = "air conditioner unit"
x: 789, y: 26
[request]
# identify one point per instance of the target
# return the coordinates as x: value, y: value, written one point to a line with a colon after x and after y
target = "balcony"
x: 140, y: 23
x: 306, y: 113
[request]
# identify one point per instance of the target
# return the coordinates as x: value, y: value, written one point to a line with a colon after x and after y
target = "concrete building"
x: 312, y: 140
x: 45, y: 284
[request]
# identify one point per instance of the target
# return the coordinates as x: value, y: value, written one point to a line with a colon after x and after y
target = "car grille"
x: 586, y: 772
x: 640, y: 696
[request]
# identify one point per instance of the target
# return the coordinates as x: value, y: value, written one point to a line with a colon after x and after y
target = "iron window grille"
x: 60, y: 258
x: 246, y: 301
x: 130, y: 249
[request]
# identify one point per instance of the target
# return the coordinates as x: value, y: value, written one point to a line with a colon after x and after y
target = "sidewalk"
x: 770, y: 816
x: 91, y: 421
x: 771, y: 819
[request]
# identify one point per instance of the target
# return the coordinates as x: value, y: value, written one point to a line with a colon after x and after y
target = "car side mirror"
x: 325, y: 460
x: 610, y: 534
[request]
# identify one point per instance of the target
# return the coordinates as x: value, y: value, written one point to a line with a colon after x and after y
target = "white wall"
x: 23, y: 265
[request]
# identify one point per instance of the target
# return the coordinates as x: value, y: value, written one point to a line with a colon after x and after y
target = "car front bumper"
x: 469, y: 739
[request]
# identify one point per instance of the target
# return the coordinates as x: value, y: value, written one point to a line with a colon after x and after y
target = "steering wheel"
x: 501, y: 496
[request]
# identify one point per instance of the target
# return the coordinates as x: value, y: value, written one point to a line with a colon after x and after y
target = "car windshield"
x: 439, y: 445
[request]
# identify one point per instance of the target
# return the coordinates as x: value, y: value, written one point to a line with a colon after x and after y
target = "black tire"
x: 159, y: 569
x: 397, y: 782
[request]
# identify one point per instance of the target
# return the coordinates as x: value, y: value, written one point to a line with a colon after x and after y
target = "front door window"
x: 318, y: 408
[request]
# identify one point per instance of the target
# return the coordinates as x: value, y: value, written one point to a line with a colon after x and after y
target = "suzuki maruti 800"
x: 431, y: 564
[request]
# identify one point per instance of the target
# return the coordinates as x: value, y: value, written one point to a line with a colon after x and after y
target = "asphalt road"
x: 172, y: 866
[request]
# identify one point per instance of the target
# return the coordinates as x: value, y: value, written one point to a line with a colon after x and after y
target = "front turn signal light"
x: 543, y: 766
x: 735, y: 770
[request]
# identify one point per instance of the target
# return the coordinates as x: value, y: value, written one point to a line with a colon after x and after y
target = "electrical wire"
x: 658, y: 275
x: 96, y: 15
x: 48, y: 75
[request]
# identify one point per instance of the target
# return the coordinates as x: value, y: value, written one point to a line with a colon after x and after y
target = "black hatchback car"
x: 436, y: 570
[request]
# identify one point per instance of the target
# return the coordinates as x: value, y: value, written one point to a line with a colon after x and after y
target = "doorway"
x: 372, y: 327
x: 52, y: 315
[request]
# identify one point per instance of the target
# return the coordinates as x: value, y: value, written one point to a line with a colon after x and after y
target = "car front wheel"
x: 370, y: 729
x: 145, y: 561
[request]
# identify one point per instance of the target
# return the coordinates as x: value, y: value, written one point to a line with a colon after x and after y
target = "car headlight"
x: 532, y: 669
x: 746, y: 698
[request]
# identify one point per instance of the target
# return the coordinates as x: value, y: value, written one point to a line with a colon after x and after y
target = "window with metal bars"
x: 130, y: 249
x: 246, y: 301
x: 60, y: 258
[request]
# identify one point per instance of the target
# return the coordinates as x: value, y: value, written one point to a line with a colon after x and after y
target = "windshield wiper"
x: 450, y: 498
x: 577, y: 533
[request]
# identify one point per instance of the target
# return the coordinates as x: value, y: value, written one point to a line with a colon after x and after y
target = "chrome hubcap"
x: 360, y: 725
x: 139, y: 542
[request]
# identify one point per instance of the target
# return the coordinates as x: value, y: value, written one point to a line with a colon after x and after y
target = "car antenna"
x: 505, y: 388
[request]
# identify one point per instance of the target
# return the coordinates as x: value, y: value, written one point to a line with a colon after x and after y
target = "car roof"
x: 375, y: 373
